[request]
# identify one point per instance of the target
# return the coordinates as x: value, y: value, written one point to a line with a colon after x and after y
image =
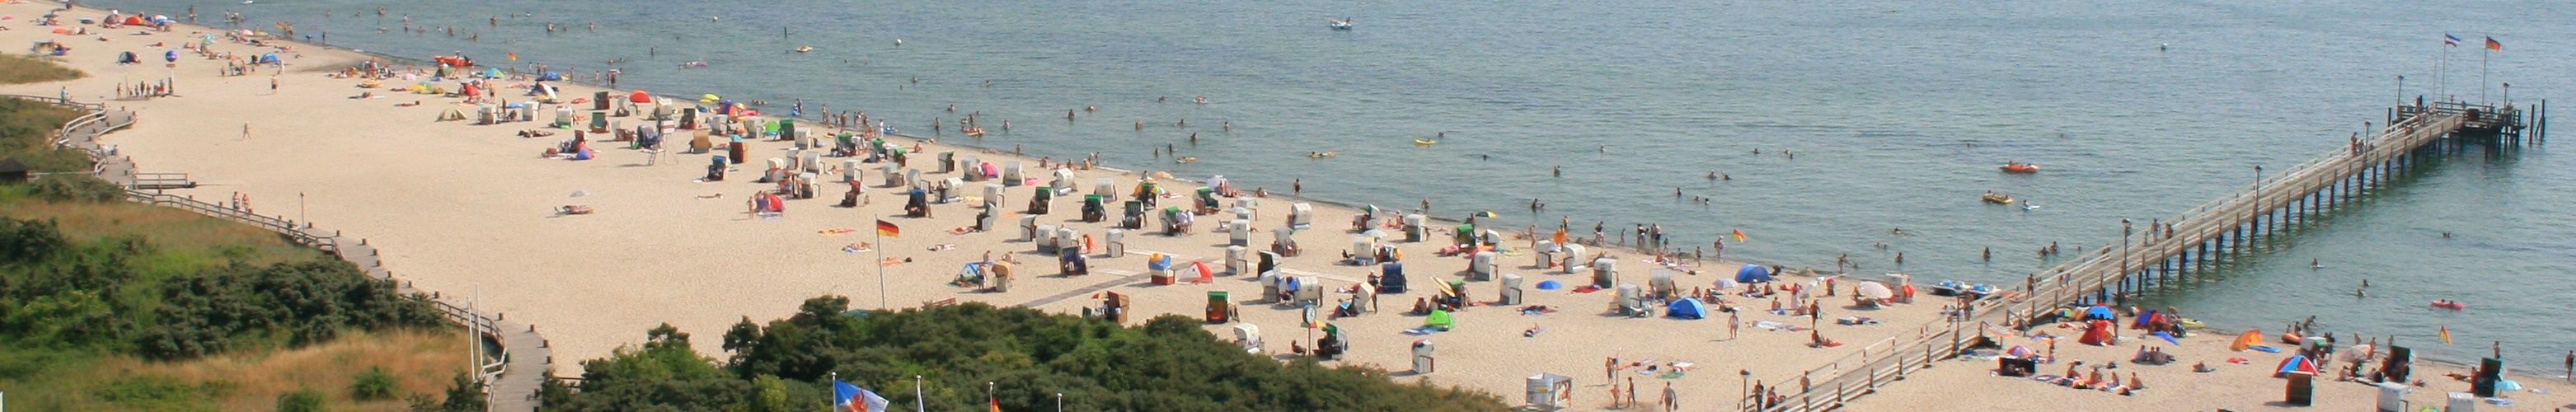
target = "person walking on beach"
x: 272, y: 84
x: 1610, y: 370
x: 1672, y: 402
x: 1733, y: 324
x: 1632, y: 391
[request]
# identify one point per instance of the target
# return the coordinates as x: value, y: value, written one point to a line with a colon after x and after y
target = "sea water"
x: 1897, y: 113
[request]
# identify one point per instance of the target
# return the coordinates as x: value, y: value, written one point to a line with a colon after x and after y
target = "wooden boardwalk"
x: 2153, y: 253
x: 511, y: 376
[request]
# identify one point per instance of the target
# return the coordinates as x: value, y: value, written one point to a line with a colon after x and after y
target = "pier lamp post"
x: 2401, y: 90
x: 2508, y: 94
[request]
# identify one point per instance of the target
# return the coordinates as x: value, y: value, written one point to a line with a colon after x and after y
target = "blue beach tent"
x: 1753, y: 273
x: 1686, y: 309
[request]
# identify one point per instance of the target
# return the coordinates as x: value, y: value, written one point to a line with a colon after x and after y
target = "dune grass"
x: 183, y: 241
x: 27, y: 133
x: 23, y: 69
x: 421, y: 362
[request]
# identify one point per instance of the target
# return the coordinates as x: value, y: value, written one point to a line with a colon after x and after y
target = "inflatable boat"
x: 2019, y: 167
x: 1997, y: 198
x: 2449, y: 304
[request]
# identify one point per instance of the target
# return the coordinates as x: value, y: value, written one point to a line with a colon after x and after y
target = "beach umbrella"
x: 1873, y: 290
x: 2100, y: 312
x: 2507, y: 385
x: 1487, y: 213
x: 170, y: 55
x: 2018, y: 352
x: 639, y: 97
x: 1724, y: 283
x: 1550, y: 285
x: 1374, y: 233
x: 2168, y: 337
x: 1371, y: 210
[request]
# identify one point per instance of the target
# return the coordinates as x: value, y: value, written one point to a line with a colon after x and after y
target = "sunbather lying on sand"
x: 574, y: 210
x: 412, y: 103
x: 535, y: 133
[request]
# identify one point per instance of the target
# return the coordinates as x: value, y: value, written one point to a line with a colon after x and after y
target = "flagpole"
x: 2442, y: 92
x: 918, y: 403
x: 833, y: 403
x: 2482, y: 72
x: 881, y: 280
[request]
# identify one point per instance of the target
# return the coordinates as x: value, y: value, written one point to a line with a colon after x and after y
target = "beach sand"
x: 469, y: 211
x: 1970, y: 383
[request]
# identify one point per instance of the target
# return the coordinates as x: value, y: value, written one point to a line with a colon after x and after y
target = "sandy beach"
x: 472, y: 210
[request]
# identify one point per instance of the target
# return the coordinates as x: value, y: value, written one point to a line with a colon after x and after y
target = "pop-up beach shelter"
x: 1686, y: 309
x: 2247, y: 340
x: 2097, y: 333
x: 1753, y: 274
x: 1440, y: 319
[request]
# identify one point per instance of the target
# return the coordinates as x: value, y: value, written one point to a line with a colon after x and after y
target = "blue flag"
x: 852, y: 398
x: 2450, y: 40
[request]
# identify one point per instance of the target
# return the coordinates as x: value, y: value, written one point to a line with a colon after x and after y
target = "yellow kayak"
x: 1421, y: 142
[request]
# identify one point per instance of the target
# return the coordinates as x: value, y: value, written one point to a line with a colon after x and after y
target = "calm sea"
x: 1897, y: 113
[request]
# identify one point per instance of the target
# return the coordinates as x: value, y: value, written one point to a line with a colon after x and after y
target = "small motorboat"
x: 2019, y: 167
x: 2449, y: 304
x: 1343, y: 24
x: 1997, y: 198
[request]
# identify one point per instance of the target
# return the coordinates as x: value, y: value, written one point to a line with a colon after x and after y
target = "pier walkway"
x: 2150, y: 254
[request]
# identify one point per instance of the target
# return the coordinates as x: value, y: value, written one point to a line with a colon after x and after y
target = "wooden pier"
x: 2163, y: 251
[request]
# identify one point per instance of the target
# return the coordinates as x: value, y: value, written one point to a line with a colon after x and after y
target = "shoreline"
x: 458, y: 204
x: 1162, y: 299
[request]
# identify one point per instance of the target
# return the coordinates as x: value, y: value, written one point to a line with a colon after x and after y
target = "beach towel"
x: 835, y: 231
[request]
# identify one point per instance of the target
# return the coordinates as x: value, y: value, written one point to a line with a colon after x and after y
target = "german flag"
x: 2494, y: 45
x: 887, y: 229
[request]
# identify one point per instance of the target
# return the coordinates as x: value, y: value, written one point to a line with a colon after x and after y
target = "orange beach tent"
x: 2247, y: 340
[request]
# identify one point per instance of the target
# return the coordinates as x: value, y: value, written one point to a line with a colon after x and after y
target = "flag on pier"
x: 2494, y: 45
x: 2450, y: 40
x: 887, y: 229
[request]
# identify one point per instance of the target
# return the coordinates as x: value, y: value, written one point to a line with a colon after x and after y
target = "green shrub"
x: 373, y: 384
x: 77, y: 188
x: 465, y: 394
x: 300, y: 400
x: 1167, y: 364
